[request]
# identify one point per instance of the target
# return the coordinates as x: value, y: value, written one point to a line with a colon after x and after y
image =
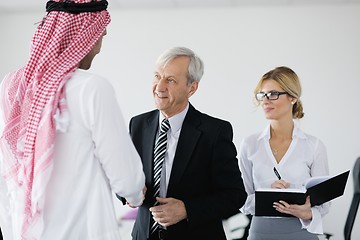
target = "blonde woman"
x: 295, y: 155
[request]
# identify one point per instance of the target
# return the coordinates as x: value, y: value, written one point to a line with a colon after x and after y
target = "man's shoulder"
x: 86, y: 76
x: 89, y: 80
x: 206, y: 118
x: 145, y: 116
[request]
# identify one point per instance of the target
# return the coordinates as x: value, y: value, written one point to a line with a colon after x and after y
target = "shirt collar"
x: 175, y: 121
x: 297, y: 133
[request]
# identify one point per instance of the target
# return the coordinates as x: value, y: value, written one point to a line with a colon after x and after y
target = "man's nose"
x: 161, y: 84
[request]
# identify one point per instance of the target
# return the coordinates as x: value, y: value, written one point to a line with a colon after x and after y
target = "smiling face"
x: 170, y: 88
x: 276, y: 109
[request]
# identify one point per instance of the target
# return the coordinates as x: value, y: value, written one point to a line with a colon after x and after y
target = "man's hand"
x: 169, y: 212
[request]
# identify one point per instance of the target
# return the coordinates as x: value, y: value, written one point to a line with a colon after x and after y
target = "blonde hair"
x: 290, y: 82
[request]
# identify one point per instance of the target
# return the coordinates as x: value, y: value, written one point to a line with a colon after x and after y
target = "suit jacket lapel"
x: 187, y: 141
x: 148, y: 145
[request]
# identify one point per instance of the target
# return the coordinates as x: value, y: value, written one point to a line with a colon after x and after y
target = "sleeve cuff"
x: 315, y: 224
x: 136, y: 200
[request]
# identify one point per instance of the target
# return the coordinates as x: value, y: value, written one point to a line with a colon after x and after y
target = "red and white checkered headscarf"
x: 33, y: 95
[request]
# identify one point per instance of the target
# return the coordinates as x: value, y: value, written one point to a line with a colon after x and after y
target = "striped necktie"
x: 159, y: 156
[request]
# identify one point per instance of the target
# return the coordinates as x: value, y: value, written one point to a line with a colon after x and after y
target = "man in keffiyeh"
x: 64, y: 144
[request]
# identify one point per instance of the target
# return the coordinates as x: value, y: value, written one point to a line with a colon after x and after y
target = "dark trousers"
x: 159, y: 234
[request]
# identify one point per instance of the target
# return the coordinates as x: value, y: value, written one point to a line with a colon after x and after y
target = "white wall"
x: 321, y: 43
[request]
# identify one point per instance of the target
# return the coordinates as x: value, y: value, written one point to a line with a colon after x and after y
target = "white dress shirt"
x: 93, y: 158
x: 306, y: 157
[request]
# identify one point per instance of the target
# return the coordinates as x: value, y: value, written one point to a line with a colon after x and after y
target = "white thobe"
x: 94, y: 159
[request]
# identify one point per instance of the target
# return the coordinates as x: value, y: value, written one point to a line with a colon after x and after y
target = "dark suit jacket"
x: 205, y: 175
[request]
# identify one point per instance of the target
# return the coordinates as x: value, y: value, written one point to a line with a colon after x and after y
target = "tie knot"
x: 165, y: 125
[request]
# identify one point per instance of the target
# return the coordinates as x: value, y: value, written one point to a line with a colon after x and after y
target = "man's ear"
x: 193, y: 88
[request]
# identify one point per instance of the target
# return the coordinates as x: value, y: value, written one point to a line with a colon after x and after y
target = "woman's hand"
x: 280, y: 184
x: 299, y: 211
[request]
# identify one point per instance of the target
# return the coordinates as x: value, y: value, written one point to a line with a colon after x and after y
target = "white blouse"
x: 306, y: 157
x: 93, y: 158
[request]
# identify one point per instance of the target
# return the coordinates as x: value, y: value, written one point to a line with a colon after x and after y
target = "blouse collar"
x: 297, y: 133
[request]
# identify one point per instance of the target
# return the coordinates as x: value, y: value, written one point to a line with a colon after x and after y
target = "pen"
x: 277, y: 174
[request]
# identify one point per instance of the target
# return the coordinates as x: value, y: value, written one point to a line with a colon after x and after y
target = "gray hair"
x: 196, y: 65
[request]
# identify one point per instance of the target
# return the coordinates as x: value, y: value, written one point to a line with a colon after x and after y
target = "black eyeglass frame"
x: 269, y: 95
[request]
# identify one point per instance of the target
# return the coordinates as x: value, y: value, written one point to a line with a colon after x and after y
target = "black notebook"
x: 320, y: 189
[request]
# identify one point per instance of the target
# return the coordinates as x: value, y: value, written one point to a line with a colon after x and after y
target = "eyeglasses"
x: 270, y: 95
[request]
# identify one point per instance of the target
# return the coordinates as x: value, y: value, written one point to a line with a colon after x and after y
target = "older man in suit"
x: 192, y: 174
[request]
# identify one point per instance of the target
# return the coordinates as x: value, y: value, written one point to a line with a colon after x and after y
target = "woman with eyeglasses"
x: 282, y: 156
